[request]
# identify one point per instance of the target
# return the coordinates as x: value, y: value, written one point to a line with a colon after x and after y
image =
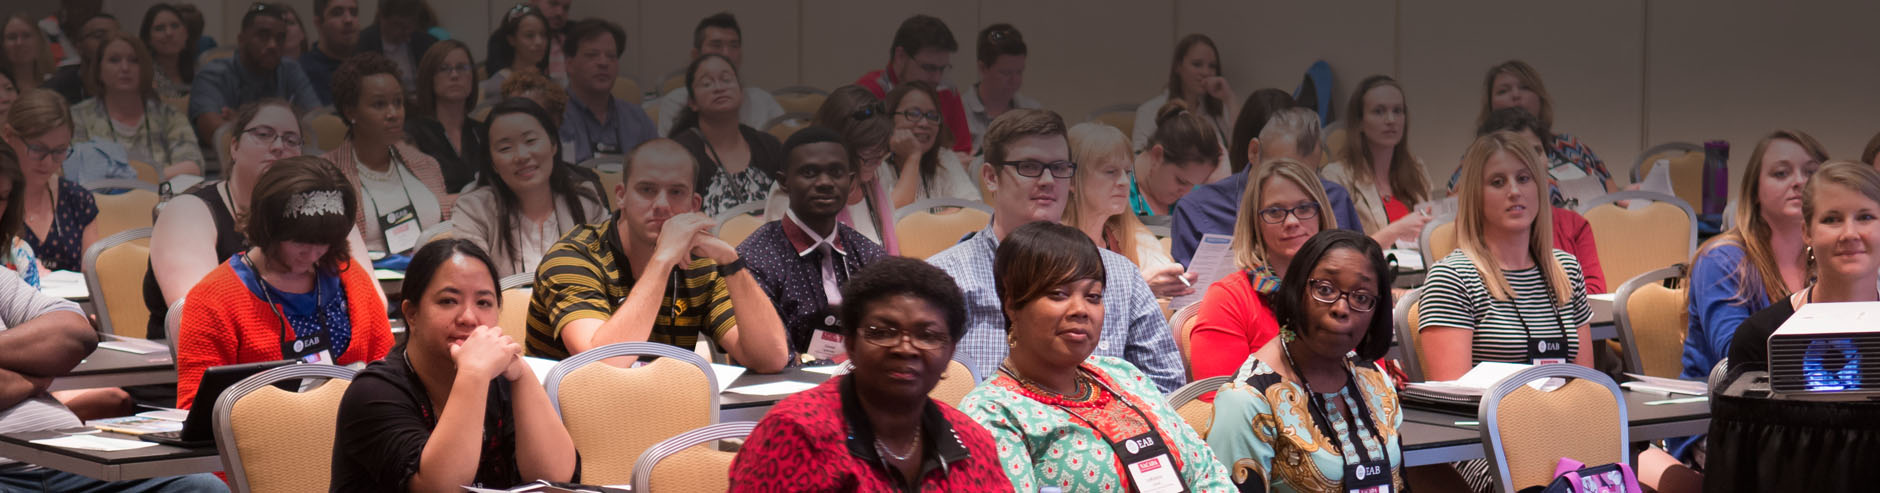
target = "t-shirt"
x: 586, y: 276
x: 1455, y: 296
x: 386, y: 418
x: 20, y: 303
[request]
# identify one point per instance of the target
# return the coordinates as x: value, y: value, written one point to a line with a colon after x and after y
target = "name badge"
x: 400, y: 228
x: 313, y: 349
x: 1547, y: 350
x: 826, y: 345
x: 1372, y: 476
x: 1147, y: 462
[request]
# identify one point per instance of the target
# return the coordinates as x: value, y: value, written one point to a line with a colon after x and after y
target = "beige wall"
x: 1624, y: 74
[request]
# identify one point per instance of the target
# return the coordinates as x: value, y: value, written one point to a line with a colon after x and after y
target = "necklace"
x: 903, y: 457
x: 1083, y: 394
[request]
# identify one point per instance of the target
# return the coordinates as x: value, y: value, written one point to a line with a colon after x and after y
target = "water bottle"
x: 1716, y: 179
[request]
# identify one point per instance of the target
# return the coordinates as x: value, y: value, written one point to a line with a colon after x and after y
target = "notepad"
x: 94, y: 442
x: 786, y: 387
x: 726, y: 374
x: 831, y: 370
x: 64, y: 284
x: 134, y: 346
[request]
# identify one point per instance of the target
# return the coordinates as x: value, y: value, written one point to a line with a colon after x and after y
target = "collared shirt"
x: 225, y: 83
x: 161, y: 137
x: 821, y: 440
x: 977, y: 119
x: 1133, y: 326
x: 586, y: 276
x: 319, y: 68
x: 796, y: 272
x: 1212, y: 208
x: 582, y: 130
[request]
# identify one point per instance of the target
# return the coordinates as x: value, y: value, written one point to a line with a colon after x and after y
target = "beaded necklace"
x: 1086, y: 394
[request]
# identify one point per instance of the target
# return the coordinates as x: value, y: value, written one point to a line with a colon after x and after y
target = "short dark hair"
x: 402, y: 8
x: 859, y: 116
x: 1260, y: 107
x: 895, y: 276
x: 431, y: 64
x: 425, y: 262
x: 352, y: 72
x: 1039, y: 256
x: 721, y: 20
x: 1018, y: 123
x: 565, y: 182
x: 259, y: 9
x: 813, y: 134
x: 1514, y: 119
x: 319, y: 8
x: 276, y: 210
x: 999, y: 40
x: 1289, y: 304
x: 923, y: 32
x: 586, y: 29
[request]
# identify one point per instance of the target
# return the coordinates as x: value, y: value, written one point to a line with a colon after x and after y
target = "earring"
x: 1811, y: 254
x: 1010, y: 341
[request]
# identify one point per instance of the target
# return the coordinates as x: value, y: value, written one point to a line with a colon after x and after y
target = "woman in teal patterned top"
x: 1278, y: 431
x: 1066, y: 420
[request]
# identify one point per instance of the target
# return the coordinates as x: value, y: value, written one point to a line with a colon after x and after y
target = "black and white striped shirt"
x: 1454, y: 296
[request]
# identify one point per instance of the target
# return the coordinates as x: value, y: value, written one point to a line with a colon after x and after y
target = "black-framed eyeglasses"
x: 266, y: 135
x: 38, y: 152
x: 916, y: 116
x: 1277, y: 214
x: 888, y: 337
x: 461, y: 68
x: 935, y: 69
x: 1033, y: 169
x: 868, y: 111
x: 1324, y: 292
x: 833, y: 172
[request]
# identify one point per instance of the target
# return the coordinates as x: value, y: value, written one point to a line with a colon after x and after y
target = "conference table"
x: 1432, y: 436
x: 113, y: 368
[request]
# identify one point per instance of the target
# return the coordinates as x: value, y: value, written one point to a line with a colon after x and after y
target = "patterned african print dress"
x: 1263, y: 431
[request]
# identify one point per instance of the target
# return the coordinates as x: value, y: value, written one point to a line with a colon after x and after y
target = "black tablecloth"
x: 1766, y: 444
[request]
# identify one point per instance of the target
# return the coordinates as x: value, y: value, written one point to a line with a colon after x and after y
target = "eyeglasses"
x: 36, y: 152
x: 833, y: 172
x: 266, y: 135
x: 1324, y: 292
x: 1034, y: 169
x: 1276, y: 214
x: 868, y: 111
x: 888, y: 337
x: 935, y: 69
x: 916, y: 116
x: 461, y: 68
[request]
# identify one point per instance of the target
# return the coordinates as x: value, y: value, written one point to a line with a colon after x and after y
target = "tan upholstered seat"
x: 274, y: 440
x: 328, y: 131
x: 1687, y: 169
x: 1183, y: 320
x: 1652, y: 323
x: 687, y: 463
x: 1410, y: 354
x: 1661, y: 234
x: 514, y: 317
x: 146, y: 172
x: 1119, y: 115
x: 1198, y: 413
x: 1335, y: 142
x: 737, y: 223
x: 954, y: 384
x: 125, y: 211
x: 628, y: 90
x: 923, y: 232
x: 785, y: 125
x: 1437, y: 240
x: 616, y: 413
x: 114, y: 271
x: 800, y: 99
x: 1527, y: 431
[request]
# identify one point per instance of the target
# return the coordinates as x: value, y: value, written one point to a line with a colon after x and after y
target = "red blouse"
x: 1232, y: 324
x: 819, y: 440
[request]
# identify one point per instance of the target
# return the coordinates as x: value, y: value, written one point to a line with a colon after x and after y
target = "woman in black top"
x: 1841, y: 226
x: 737, y: 164
x: 456, y: 404
x: 441, y: 126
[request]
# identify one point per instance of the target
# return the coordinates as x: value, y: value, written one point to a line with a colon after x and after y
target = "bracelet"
x: 727, y: 270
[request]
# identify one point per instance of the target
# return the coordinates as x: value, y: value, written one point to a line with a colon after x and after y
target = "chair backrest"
x: 627, y: 89
x: 785, y: 125
x: 739, y: 222
x: 328, y: 131
x: 274, y: 440
x: 686, y: 463
x: 958, y: 381
x: 1651, y: 319
x: 800, y: 99
x: 1198, y: 413
x: 1658, y: 235
x: 675, y: 393
x: 131, y: 209
x: 923, y: 233
x: 514, y: 317
x: 1409, y: 348
x: 146, y: 172
x: 1437, y: 240
x: 214, y: 54
x: 673, y: 81
x: 1687, y: 168
x: 1183, y: 321
x: 1335, y: 141
x: 114, y: 271
x: 1526, y: 431
x: 1119, y: 115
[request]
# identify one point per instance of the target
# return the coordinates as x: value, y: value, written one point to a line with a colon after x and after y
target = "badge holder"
x: 400, y: 229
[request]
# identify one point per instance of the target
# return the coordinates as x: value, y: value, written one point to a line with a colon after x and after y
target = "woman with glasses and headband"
x: 526, y: 197
x: 916, y: 166
x: 1099, y: 206
x: 521, y: 41
x: 875, y: 429
x: 59, y: 212
x: 1301, y: 414
x: 1506, y: 294
x: 442, y: 127
x: 1061, y: 417
x: 737, y: 164
x: 1281, y: 209
x: 1184, y: 151
x: 127, y: 111
x: 401, y: 190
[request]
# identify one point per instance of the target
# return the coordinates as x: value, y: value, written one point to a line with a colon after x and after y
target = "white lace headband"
x: 315, y: 203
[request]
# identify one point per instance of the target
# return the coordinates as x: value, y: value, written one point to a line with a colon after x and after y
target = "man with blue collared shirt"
x: 1213, y: 208
x: 1027, y: 174
x: 256, y: 72
x: 596, y: 122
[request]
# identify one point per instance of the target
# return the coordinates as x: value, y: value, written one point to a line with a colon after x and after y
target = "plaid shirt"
x: 1133, y: 327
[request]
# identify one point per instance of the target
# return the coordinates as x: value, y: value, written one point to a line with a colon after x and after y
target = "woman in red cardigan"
x: 296, y: 294
x: 1282, y: 207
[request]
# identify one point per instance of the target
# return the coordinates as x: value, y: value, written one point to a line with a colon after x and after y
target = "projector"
x: 1827, y: 351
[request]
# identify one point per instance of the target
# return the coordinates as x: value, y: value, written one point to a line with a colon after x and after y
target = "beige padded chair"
x: 1687, y: 168
x: 1525, y: 431
x: 146, y: 172
x: 1409, y: 348
x: 214, y: 54
x: 1187, y: 402
x: 614, y: 413
x: 800, y: 99
x: 958, y: 381
x: 1437, y: 240
x: 1661, y: 234
x: 739, y: 222
x: 673, y: 81
x: 133, y: 207
x: 1183, y: 321
x: 923, y: 233
x: 274, y: 440
x: 328, y: 131
x: 687, y: 463
x: 514, y: 317
x: 627, y: 89
x: 114, y: 272
x: 173, y: 323
x: 785, y: 125
x: 1335, y: 141
x: 1119, y: 115
x: 1652, y: 322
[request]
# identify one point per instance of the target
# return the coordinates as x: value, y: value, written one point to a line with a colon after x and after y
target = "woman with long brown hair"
x: 1386, y: 181
x: 1194, y: 77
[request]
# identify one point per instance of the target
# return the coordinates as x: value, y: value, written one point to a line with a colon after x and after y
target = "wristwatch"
x: 726, y: 270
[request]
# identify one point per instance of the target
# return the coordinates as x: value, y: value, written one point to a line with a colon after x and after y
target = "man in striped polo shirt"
x: 654, y: 272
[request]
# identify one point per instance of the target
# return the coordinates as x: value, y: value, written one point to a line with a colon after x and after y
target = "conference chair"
x: 1687, y: 168
x: 1409, y: 348
x: 1660, y: 234
x: 958, y: 381
x: 275, y: 440
x: 1437, y: 240
x: 1187, y: 402
x: 614, y: 414
x: 785, y: 125
x: 224, y: 135
x: 130, y: 208
x: 924, y: 232
x: 327, y: 128
x: 1119, y: 115
x: 1335, y: 141
x: 114, y: 274
x: 737, y: 223
x: 800, y: 99
x: 214, y: 54
x: 1183, y: 321
x: 673, y: 80
x: 1526, y: 431
x: 146, y: 172
x: 687, y: 463
x: 173, y: 323
x: 514, y: 318
x: 627, y: 89
x: 1651, y: 318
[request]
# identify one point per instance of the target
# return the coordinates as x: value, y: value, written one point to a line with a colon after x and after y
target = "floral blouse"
x: 1264, y: 432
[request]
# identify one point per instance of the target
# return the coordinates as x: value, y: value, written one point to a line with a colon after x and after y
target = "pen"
x: 1184, y: 280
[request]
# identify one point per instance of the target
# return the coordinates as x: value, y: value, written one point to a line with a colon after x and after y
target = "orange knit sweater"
x: 226, y: 324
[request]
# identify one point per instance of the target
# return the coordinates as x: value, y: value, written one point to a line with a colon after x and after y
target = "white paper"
x: 1407, y: 260
x: 64, y: 284
x: 540, y: 367
x: 831, y: 370
x: 1602, y: 307
x: 1658, y: 180
x: 1485, y: 375
x: 1214, y: 259
x: 94, y: 442
x: 134, y: 346
x: 726, y: 374
x: 166, y: 414
x: 1666, y: 385
x: 786, y: 387
x: 388, y: 275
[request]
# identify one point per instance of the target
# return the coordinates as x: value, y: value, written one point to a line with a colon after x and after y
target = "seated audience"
x: 719, y: 34
x: 1182, y: 152
x: 1571, y: 231
x: 1353, y: 415
x: 527, y: 198
x: 1000, y: 52
x: 530, y: 84
x: 597, y: 122
x: 1841, y: 227
x: 1194, y: 78
x: 1099, y: 206
x: 441, y: 127
x: 59, y: 212
x: 1282, y: 210
x: 69, y: 80
x: 1385, y: 181
x: 338, y: 21
x: 401, y: 190
x: 1871, y: 155
x: 556, y: 11
x: 875, y: 429
x: 653, y: 272
x: 737, y: 163
x: 8, y: 93
x: 865, y: 126
x: 921, y: 52
x: 1515, y: 84
x: 295, y: 44
x: 398, y: 35
x: 256, y: 72
x: 521, y: 41
x: 801, y: 260
x: 458, y: 406
x: 1506, y: 294
x: 916, y: 163
x: 29, y: 61
x: 1029, y: 171
x: 1050, y: 392
x: 1291, y: 133
x: 173, y: 60
x: 14, y: 252
x: 1759, y: 261
x: 127, y: 111
x: 296, y: 294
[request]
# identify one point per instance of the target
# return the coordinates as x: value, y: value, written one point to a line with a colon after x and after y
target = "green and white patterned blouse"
x: 162, y: 137
x: 1262, y: 430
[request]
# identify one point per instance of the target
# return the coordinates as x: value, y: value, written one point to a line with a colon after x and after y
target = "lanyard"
x: 1551, y: 307
x: 396, y: 165
x: 267, y: 295
x: 1321, y: 412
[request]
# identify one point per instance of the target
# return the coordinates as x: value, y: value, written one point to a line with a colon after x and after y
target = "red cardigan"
x: 225, y: 324
x: 1232, y: 324
x: 1573, y: 235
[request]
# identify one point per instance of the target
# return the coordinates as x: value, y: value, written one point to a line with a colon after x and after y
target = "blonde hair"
x: 38, y: 111
x: 1090, y: 143
x: 1407, y: 179
x: 43, y: 63
x: 1526, y: 76
x: 1758, y: 256
x: 94, y: 66
x: 1471, y: 225
x: 1249, y: 248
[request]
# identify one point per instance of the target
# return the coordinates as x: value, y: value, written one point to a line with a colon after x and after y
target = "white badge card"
x: 1156, y: 475
x: 826, y: 345
x: 400, y: 229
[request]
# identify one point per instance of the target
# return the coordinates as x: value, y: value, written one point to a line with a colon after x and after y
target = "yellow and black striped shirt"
x: 584, y: 275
